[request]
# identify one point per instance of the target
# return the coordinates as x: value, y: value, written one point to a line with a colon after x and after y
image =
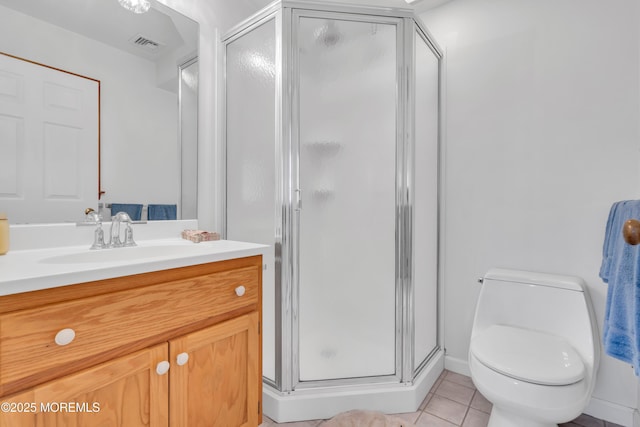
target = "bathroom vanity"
x: 167, y: 339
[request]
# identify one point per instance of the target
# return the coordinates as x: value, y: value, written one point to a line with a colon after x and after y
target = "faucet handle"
x: 98, y: 238
x: 93, y: 216
x: 128, y: 236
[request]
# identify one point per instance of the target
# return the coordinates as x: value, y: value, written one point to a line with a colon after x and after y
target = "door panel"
x: 49, y: 132
x: 221, y: 383
x: 347, y: 221
x: 126, y: 392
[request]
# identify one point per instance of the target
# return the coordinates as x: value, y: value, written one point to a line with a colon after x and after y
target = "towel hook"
x: 631, y: 231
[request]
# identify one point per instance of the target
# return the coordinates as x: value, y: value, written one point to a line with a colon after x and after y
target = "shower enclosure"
x: 331, y: 143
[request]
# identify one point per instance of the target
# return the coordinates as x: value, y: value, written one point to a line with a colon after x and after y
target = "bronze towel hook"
x: 631, y: 231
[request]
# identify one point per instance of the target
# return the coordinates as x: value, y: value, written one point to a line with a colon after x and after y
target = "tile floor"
x: 452, y: 402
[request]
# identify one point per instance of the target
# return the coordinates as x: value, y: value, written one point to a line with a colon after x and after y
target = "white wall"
x: 138, y: 120
x: 542, y: 137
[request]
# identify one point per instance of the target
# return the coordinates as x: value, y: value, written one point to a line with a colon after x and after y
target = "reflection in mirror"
x: 147, y: 68
x: 188, y: 109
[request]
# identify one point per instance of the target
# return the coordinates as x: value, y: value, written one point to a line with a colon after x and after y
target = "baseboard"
x: 458, y: 366
x: 612, y: 412
x: 608, y: 411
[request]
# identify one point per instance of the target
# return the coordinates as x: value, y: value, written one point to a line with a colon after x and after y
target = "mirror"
x: 148, y: 72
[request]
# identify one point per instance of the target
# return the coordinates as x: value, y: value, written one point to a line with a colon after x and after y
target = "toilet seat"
x: 527, y: 355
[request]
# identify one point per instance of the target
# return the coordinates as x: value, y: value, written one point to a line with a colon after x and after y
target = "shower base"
x: 325, y: 402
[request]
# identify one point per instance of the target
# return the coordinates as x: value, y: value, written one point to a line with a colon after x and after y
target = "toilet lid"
x: 526, y: 355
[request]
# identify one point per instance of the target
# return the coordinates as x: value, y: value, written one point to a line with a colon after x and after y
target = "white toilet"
x: 534, y: 348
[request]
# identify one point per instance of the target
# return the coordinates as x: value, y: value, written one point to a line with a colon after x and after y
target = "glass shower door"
x: 250, y: 152
x: 347, y: 72
x: 425, y: 206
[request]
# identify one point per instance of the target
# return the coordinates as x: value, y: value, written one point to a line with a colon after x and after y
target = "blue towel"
x: 160, y: 212
x: 133, y: 210
x: 621, y: 270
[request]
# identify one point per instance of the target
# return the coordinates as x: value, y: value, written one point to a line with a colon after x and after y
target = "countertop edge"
x: 114, y: 269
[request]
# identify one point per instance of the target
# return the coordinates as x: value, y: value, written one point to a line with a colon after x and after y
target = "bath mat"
x: 358, y: 418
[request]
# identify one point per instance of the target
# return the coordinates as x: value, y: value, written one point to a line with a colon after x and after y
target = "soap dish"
x: 197, y: 236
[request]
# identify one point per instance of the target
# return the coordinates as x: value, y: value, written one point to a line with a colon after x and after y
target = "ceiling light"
x: 135, y: 6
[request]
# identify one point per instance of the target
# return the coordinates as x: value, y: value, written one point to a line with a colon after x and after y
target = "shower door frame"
x: 412, y: 27
x: 286, y: 237
x: 355, y: 15
x: 271, y: 12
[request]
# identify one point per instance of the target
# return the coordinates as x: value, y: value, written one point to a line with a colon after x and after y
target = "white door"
x: 49, y: 132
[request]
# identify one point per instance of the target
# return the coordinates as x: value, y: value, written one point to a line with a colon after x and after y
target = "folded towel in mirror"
x: 133, y: 210
x: 161, y: 212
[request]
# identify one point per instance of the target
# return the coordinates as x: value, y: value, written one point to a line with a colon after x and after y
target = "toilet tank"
x: 555, y: 304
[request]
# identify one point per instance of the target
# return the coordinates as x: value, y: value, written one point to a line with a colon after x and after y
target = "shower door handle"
x: 298, y: 199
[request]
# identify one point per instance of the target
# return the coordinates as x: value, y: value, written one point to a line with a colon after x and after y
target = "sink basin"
x: 27, y: 270
x: 127, y: 254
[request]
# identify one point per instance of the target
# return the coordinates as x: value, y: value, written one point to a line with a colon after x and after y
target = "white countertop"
x: 30, y: 270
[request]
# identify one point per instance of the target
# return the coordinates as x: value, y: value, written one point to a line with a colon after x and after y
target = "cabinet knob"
x: 65, y: 336
x: 182, y: 359
x: 240, y: 290
x: 162, y: 367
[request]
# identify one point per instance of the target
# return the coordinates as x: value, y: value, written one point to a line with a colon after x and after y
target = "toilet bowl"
x: 534, y: 349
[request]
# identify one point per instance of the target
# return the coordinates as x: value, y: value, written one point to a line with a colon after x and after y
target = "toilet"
x: 534, y: 349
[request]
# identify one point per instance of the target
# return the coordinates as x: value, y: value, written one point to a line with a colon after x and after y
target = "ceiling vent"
x: 145, y: 43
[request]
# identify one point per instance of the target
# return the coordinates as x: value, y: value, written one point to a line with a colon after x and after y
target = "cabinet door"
x: 221, y: 382
x: 125, y: 392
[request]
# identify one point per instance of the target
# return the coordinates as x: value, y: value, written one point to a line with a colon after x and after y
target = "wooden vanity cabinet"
x: 202, y: 322
x: 127, y: 391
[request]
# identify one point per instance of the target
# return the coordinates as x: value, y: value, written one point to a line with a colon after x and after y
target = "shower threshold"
x: 325, y: 402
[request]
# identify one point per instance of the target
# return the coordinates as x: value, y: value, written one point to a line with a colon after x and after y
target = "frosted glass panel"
x: 251, y: 130
x: 347, y: 149
x: 426, y: 201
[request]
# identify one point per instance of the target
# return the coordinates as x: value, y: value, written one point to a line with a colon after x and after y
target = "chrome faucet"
x: 115, y: 241
x: 99, y: 242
